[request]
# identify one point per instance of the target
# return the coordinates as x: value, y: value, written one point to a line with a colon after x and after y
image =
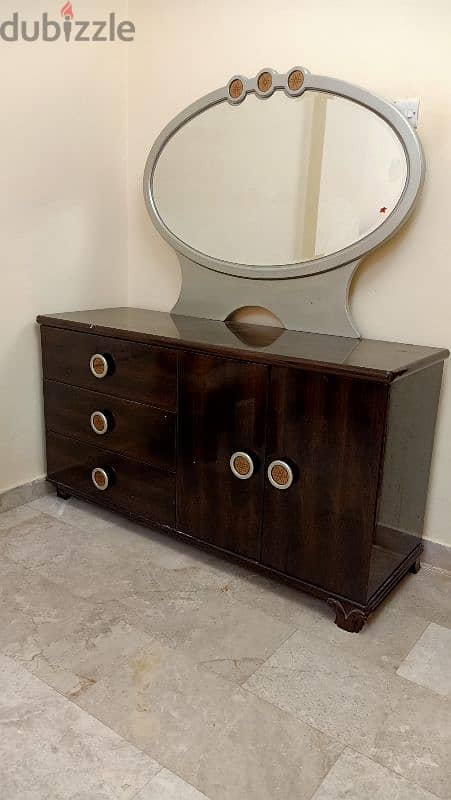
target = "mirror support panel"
x: 317, y: 304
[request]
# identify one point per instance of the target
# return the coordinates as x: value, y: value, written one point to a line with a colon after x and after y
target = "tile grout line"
x: 377, y: 763
x: 138, y: 791
x: 290, y: 636
x: 344, y: 743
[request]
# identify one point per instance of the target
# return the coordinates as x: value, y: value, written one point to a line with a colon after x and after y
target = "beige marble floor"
x: 132, y: 666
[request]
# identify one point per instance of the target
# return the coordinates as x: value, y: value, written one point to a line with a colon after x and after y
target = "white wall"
x: 62, y: 207
x: 396, y: 48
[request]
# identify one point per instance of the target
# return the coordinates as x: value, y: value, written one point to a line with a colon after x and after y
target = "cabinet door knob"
x: 99, y: 365
x: 242, y: 465
x: 99, y: 423
x: 100, y: 478
x: 280, y: 474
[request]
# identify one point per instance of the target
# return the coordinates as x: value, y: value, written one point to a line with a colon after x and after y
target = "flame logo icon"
x: 67, y: 10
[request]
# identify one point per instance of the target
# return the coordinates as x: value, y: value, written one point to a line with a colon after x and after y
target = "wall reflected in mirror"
x: 279, y: 181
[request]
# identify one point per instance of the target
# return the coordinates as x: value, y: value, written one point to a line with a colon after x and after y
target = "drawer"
x: 134, y: 371
x: 124, y: 484
x: 139, y: 431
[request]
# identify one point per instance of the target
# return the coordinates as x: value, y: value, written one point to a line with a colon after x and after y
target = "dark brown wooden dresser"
x: 303, y: 455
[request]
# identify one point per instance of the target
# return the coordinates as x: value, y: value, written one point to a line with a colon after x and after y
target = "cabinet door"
x: 330, y: 431
x: 222, y: 408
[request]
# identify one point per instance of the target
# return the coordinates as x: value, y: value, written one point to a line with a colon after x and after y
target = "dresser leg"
x: 62, y: 494
x: 347, y: 617
x: 416, y: 566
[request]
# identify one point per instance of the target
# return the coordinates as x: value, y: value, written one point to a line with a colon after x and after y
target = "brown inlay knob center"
x: 265, y: 81
x: 242, y: 465
x: 295, y: 80
x: 236, y: 88
x: 280, y: 475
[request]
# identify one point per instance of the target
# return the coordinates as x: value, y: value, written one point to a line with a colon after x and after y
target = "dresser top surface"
x: 369, y: 358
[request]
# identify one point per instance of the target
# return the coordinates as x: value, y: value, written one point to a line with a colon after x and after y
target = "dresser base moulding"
x: 349, y: 615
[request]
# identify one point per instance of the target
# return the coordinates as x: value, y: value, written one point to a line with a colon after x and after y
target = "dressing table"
x: 298, y: 449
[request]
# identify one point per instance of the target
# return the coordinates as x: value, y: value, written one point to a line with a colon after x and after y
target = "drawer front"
x: 124, y: 484
x: 134, y: 371
x: 135, y: 430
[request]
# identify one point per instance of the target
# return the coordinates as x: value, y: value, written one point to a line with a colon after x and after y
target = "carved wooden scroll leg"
x: 347, y: 617
x: 416, y: 566
x: 62, y: 494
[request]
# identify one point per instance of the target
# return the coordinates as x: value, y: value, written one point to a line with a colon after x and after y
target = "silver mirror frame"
x: 349, y: 255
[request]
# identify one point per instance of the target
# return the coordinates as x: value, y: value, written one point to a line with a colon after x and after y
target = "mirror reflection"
x: 279, y: 181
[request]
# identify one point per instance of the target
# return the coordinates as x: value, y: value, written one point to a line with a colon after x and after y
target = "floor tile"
x: 83, y: 560
x: 34, y: 611
x: 153, y: 637
x: 217, y: 737
x: 49, y: 748
x: 9, y: 519
x: 75, y: 512
x: 427, y: 595
x: 111, y: 560
x: 99, y: 643
x: 354, y: 777
x: 225, y: 637
x: 386, y: 639
x: 167, y: 786
x: 401, y: 725
x: 140, y: 542
x: 429, y: 661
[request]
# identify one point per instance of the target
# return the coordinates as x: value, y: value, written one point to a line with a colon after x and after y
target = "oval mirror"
x: 283, y: 185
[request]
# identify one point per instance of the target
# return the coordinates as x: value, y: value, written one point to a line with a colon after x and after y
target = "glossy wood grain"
x: 139, y: 431
x: 139, y: 372
x: 222, y: 410
x: 372, y: 360
x: 135, y: 488
x: 411, y: 415
x: 330, y: 430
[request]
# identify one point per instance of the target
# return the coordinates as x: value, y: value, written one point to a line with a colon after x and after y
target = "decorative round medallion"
x: 236, y: 88
x: 99, y: 423
x: 264, y: 82
x: 295, y: 80
x: 242, y: 465
x: 99, y: 366
x: 100, y: 479
x: 280, y: 475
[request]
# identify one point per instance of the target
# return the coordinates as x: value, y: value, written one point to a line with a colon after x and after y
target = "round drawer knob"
x: 99, y: 423
x: 242, y: 465
x: 280, y: 475
x: 99, y: 365
x: 100, y: 479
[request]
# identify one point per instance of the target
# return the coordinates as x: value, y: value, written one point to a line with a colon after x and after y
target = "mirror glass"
x: 281, y: 180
